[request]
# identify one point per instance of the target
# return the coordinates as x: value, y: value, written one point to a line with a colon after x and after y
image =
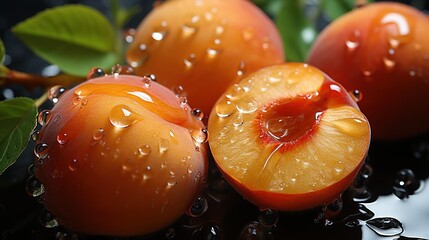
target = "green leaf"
x: 297, y: 30
x: 336, y: 8
x: 73, y: 37
x: 17, y: 121
x: 122, y: 15
x: 2, y: 52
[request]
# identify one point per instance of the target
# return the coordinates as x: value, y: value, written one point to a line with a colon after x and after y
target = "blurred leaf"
x: 17, y: 121
x: 73, y: 37
x: 337, y: 8
x: 122, y: 15
x: 270, y: 7
x: 297, y: 30
x: 2, y: 52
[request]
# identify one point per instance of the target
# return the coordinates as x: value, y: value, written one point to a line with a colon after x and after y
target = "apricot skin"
x: 382, y: 50
x: 129, y: 181
x: 206, y: 46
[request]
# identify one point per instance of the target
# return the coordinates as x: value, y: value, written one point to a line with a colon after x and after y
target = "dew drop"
x: 55, y: 92
x: 389, y: 63
x: 198, y: 208
x: 47, y: 219
x: 116, y: 70
x: 178, y: 90
x: 129, y: 35
x: 129, y: 70
x: 31, y: 169
x: 235, y: 92
x: 146, y: 81
x: 34, y: 187
x: 268, y: 218
x: 152, y: 77
x: 197, y: 113
x: 224, y: 108
x: 238, y: 121
x: 212, y: 52
x: 241, y: 69
x: 95, y: 73
x: 144, y: 150
x: 354, y: 41
x: 158, y: 35
x: 44, y: 117
x: 73, y: 165
x: 200, y: 136
x: 189, y: 61
x: 183, y: 101
x: 219, y: 30
x: 62, y: 138
x: 121, y: 116
x: 385, y: 226
x: 98, y: 134
x: 164, y: 145
x: 247, y: 105
x: 35, y: 135
x: 356, y: 95
x: 41, y: 150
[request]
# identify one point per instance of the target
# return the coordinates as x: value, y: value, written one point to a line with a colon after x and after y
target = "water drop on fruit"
x: 98, y: 134
x: 224, y: 108
x: 55, y: 92
x: 146, y: 81
x: 34, y: 187
x: 241, y: 69
x: 127, y: 69
x: 164, y: 145
x: 238, y: 121
x: 116, y: 70
x: 354, y: 41
x: 47, y: 219
x: 235, y: 92
x: 178, y: 90
x: 397, y: 27
x: 219, y: 30
x: 389, y: 63
x: 197, y: 113
x: 183, y: 101
x: 62, y: 138
x: 41, y: 150
x: 121, y: 116
x: 44, y: 117
x: 129, y: 35
x: 247, y: 105
x: 356, y: 95
x: 385, y: 226
x: 189, y: 61
x: 212, y: 52
x: 268, y: 218
x: 35, y: 135
x: 159, y: 35
x: 199, y: 136
x: 405, y: 183
x: 198, y: 208
x: 73, y: 165
x: 144, y: 150
x: 95, y: 73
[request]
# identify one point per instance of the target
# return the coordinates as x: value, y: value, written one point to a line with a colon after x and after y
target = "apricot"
x: 382, y: 51
x: 199, y: 48
x: 288, y: 137
x: 120, y: 155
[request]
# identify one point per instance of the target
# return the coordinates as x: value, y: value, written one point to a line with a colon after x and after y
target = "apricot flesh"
x: 381, y: 50
x: 288, y: 137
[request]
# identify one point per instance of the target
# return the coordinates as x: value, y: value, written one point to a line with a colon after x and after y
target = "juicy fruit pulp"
x: 381, y: 50
x: 199, y: 48
x: 288, y: 137
x: 120, y: 155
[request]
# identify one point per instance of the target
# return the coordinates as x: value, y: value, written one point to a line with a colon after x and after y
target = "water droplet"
x: 235, y: 92
x: 121, y: 116
x: 248, y: 34
x: 219, y: 30
x: 212, y: 52
x: 34, y: 187
x: 127, y: 69
x: 224, y: 108
x: 210, y: 231
x: 116, y: 70
x: 189, y: 61
x: 268, y: 218
x: 73, y: 165
x: 44, y: 117
x: 385, y: 226
x: 95, y: 73
x: 146, y: 81
x: 164, y: 145
x: 98, y: 134
x: 238, y: 121
x: 200, y: 136
x: 55, y: 92
x: 41, y: 150
x: 405, y: 183
x: 47, y: 219
x: 35, y: 135
x: 197, y: 113
x: 254, y: 231
x: 159, y: 35
x: 183, y: 101
x: 389, y: 63
x: 412, y: 73
x: 241, y: 69
x: 354, y: 41
x: 129, y: 35
x: 62, y: 138
x: 198, y: 208
x: 356, y: 95
x: 178, y: 90
x: 247, y: 105
x: 144, y: 150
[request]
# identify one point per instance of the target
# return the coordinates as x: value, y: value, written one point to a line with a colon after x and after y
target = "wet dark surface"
x: 390, y: 198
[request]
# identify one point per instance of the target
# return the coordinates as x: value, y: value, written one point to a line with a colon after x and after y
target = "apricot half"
x: 288, y: 137
x: 120, y: 155
x: 381, y: 50
x: 200, y: 48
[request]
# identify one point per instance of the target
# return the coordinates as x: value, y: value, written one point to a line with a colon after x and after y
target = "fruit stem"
x: 41, y: 99
x: 32, y: 80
